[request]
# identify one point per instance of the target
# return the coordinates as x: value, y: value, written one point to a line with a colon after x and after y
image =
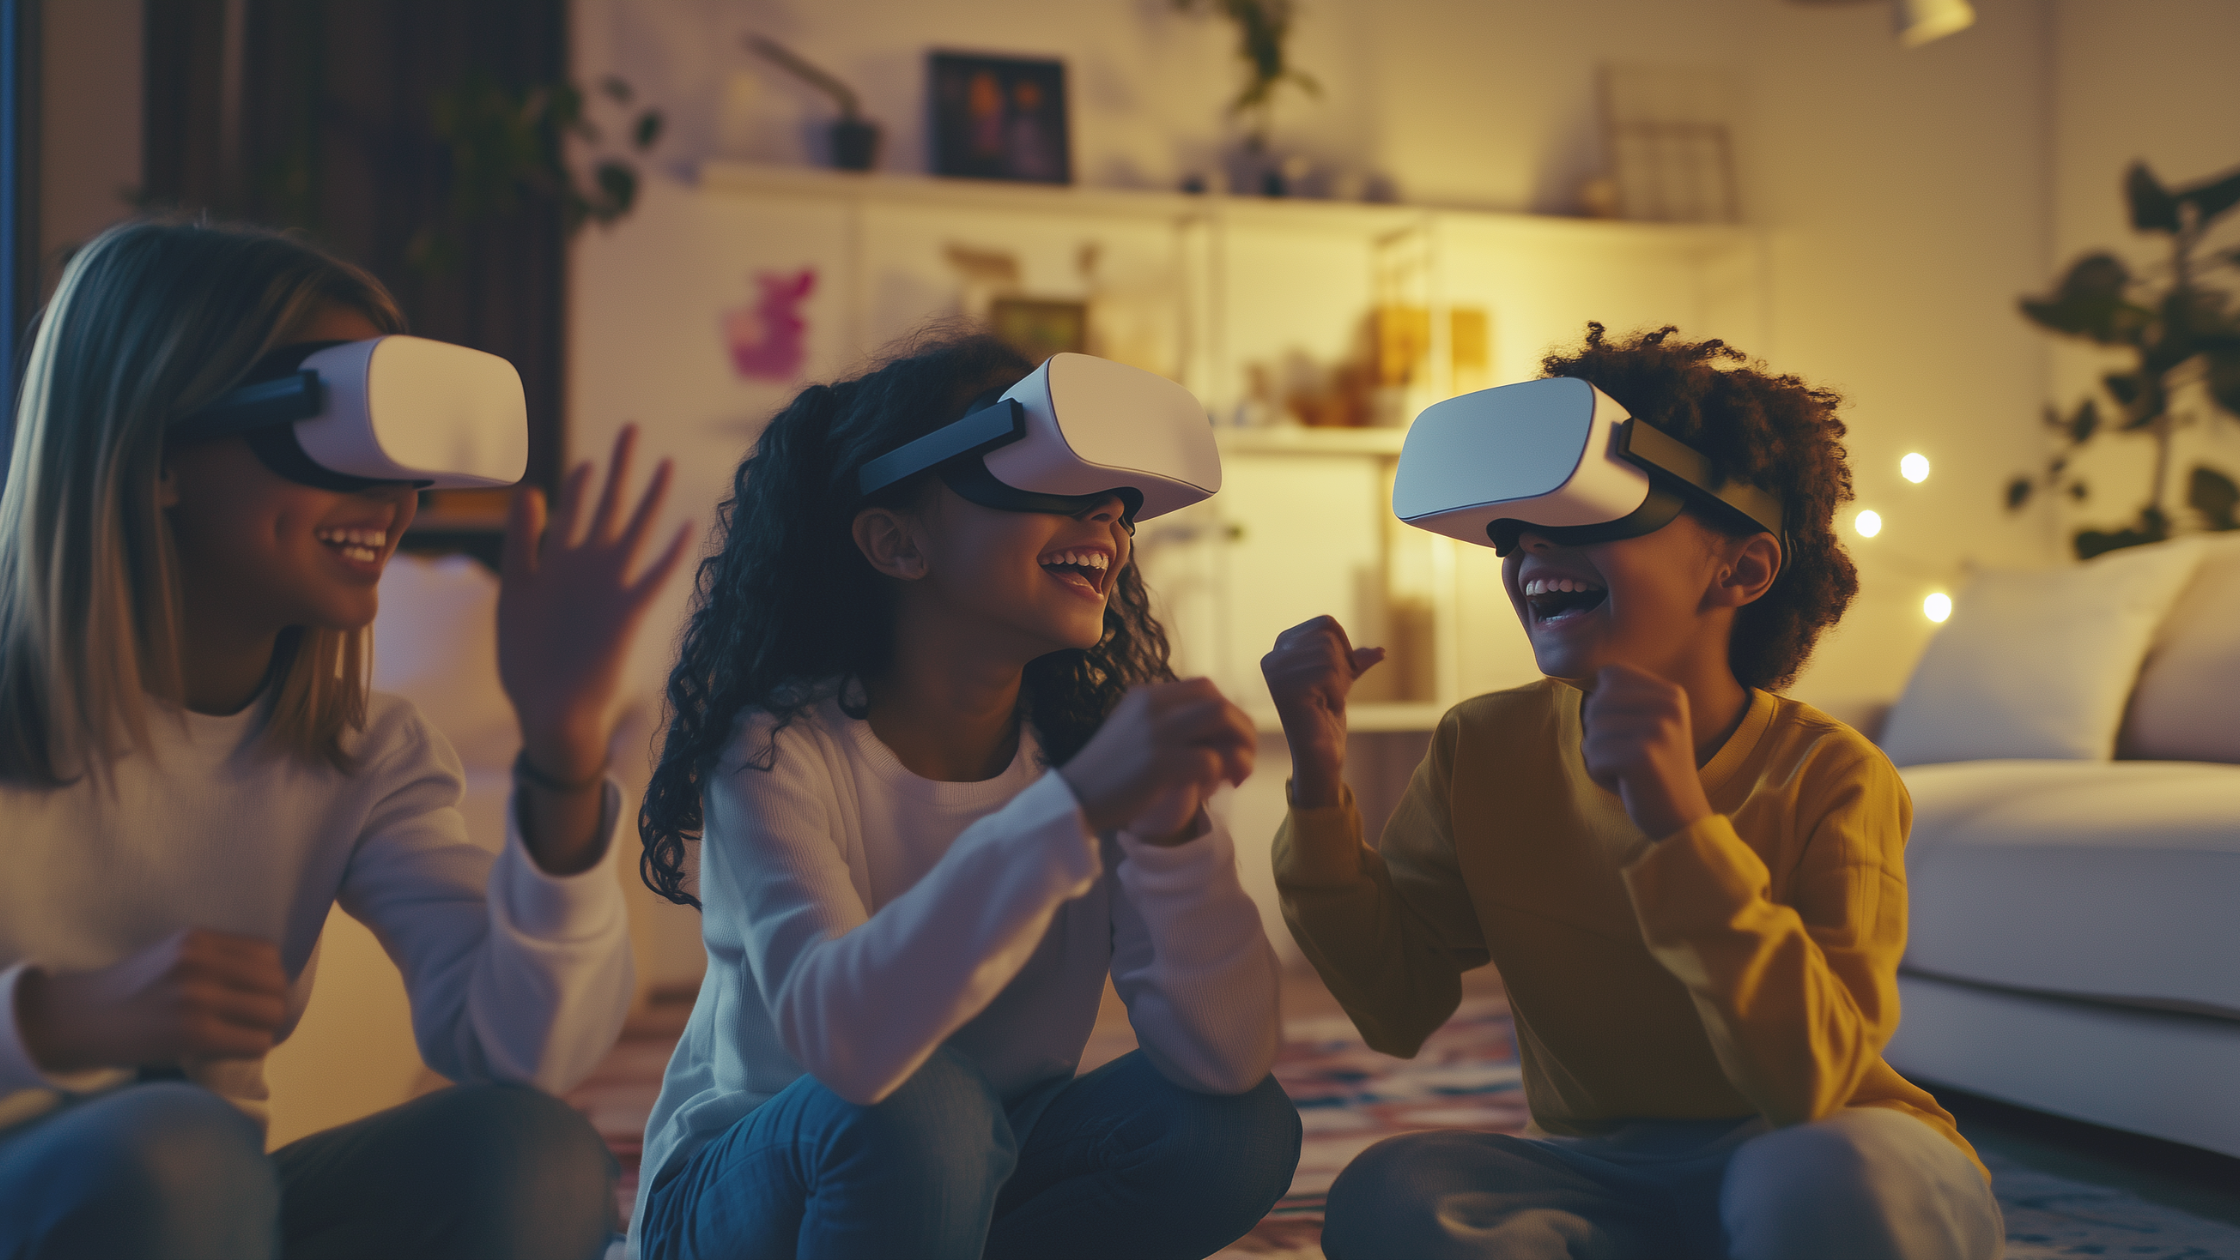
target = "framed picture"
x: 1038, y: 328
x: 1000, y: 118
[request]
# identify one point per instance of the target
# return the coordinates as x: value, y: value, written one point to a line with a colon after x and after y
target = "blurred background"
x: 1320, y: 216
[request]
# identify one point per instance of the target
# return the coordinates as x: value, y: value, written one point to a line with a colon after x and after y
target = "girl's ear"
x: 1752, y: 564
x: 890, y: 541
x: 167, y: 486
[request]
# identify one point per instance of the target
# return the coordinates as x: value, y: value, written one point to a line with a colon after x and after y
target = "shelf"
x: 1360, y: 216
x: 1365, y: 719
x: 1296, y: 440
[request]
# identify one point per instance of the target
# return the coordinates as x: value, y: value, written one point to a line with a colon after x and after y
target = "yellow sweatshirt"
x: 1746, y: 964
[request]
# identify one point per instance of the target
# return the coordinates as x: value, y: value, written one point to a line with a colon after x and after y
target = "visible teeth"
x: 1556, y: 586
x: 358, y: 544
x: 1085, y: 559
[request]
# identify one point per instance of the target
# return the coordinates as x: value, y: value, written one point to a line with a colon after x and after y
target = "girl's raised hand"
x: 1165, y: 748
x: 570, y: 605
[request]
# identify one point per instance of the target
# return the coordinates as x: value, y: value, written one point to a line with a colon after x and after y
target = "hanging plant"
x: 2176, y: 331
x: 1263, y: 27
x: 508, y: 146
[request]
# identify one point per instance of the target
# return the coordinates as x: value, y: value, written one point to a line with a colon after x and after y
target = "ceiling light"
x: 1925, y: 21
x: 1868, y: 523
x: 1920, y: 22
x: 1937, y: 607
x: 1914, y: 468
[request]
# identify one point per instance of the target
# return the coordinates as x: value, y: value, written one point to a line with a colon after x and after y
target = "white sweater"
x: 514, y: 975
x: 858, y: 917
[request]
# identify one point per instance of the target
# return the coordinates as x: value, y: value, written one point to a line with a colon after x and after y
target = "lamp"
x: 1919, y: 22
x: 1922, y: 21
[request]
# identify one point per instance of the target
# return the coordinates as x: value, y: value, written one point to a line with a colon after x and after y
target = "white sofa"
x: 2070, y: 741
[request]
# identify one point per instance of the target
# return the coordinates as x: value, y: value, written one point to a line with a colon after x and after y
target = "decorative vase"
x: 855, y: 144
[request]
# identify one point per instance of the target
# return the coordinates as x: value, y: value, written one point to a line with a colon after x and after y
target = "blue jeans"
x: 1122, y: 1163
x: 172, y: 1171
x: 1867, y: 1183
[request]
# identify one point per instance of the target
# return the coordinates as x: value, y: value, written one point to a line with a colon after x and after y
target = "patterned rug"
x: 1466, y: 1077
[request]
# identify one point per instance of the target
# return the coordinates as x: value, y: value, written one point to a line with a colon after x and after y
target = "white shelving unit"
x: 1198, y: 287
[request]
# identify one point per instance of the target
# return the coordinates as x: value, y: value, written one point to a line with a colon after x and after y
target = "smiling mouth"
x: 361, y: 545
x: 1083, y: 570
x: 1556, y: 600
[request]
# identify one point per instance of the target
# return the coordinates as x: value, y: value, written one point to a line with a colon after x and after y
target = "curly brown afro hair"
x: 1774, y: 432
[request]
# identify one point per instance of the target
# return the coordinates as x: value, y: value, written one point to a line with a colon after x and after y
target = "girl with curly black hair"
x: 943, y: 781
x: 1694, y: 888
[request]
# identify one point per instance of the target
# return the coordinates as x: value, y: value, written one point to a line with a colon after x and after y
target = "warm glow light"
x: 1868, y: 523
x: 1937, y: 607
x: 1914, y: 468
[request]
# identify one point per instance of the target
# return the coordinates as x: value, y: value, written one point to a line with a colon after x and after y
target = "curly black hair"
x: 1774, y: 432
x: 787, y: 604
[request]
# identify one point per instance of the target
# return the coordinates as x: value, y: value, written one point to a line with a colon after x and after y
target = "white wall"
x: 1903, y: 195
x: 2132, y: 80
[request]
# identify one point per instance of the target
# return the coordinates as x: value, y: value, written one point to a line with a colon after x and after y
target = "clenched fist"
x: 1310, y: 671
x: 1163, y: 751
x: 1640, y: 744
x: 195, y: 994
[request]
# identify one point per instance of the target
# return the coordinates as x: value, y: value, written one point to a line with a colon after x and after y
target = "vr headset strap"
x: 291, y: 398
x: 977, y: 433
x: 1652, y: 447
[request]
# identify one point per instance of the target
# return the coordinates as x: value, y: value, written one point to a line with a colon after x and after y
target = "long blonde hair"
x: 152, y: 320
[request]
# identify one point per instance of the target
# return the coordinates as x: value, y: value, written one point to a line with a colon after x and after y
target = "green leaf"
x: 2153, y: 209
x: 2224, y: 378
x: 2090, y: 302
x: 2215, y: 496
x: 2153, y: 526
x: 618, y: 188
x: 2018, y: 493
x: 2212, y: 197
x: 648, y: 129
x: 2087, y: 420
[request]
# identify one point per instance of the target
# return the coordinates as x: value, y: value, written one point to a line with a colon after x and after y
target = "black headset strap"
x: 274, y: 394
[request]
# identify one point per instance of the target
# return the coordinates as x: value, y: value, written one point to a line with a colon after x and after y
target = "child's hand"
x: 1165, y: 745
x: 1639, y: 744
x: 1310, y: 671
x: 196, y: 994
x: 567, y: 611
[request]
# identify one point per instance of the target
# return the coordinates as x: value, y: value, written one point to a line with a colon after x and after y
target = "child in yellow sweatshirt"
x: 1694, y: 889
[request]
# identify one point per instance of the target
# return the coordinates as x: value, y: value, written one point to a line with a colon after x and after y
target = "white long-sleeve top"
x: 858, y: 917
x: 514, y: 975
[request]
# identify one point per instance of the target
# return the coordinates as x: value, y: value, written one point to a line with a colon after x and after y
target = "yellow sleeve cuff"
x: 1320, y: 847
x: 1695, y: 880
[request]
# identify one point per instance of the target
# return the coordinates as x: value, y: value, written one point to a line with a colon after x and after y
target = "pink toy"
x: 769, y: 340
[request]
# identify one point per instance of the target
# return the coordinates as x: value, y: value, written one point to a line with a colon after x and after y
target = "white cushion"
x: 2111, y: 879
x: 2187, y: 706
x: 2037, y: 664
x: 435, y: 642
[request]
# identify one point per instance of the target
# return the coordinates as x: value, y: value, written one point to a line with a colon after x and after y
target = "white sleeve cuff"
x: 17, y: 1069
x: 1162, y: 870
x: 552, y: 907
x: 1050, y: 801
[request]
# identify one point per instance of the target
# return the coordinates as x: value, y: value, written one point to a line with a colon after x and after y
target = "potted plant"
x: 2177, y: 333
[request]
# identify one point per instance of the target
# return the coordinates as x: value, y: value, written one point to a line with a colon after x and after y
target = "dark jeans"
x: 173, y: 1171
x: 1121, y: 1163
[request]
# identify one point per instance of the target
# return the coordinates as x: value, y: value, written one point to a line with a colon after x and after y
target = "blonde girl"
x: 192, y: 772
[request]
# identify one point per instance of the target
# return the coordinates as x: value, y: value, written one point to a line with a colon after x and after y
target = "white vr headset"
x: 1562, y: 459
x: 1077, y: 430
x: 347, y: 415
